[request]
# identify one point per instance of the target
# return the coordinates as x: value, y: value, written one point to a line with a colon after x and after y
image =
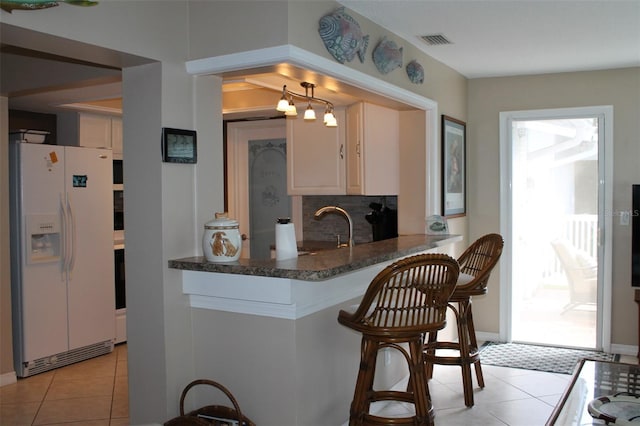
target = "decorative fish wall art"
x: 342, y: 36
x: 11, y: 5
x: 387, y: 56
x: 415, y: 72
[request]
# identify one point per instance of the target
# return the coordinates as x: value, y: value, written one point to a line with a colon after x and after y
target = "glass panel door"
x: 268, y: 199
x: 554, y: 239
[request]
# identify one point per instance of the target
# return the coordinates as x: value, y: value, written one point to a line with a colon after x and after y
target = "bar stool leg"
x: 474, y: 346
x: 421, y: 396
x: 431, y: 344
x: 364, y: 383
x: 463, y: 341
x: 432, y: 338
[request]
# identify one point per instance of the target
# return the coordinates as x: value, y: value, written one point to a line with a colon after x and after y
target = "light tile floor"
x: 92, y: 393
x: 95, y: 393
x: 511, y: 397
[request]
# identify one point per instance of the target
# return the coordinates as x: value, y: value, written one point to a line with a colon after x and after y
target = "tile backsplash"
x: 331, y: 224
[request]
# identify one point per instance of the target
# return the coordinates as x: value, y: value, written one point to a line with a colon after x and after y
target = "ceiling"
x: 515, y: 37
x: 488, y: 39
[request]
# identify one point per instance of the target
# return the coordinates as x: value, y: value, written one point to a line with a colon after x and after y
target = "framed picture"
x: 179, y: 146
x: 453, y: 167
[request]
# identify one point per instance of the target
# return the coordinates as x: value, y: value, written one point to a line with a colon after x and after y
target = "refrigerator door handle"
x: 65, y: 238
x: 72, y: 228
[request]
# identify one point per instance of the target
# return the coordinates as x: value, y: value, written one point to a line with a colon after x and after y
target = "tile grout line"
x: 44, y: 397
x: 113, y: 387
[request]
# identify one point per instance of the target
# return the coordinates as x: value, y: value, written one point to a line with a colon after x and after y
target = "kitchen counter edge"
x: 324, y: 264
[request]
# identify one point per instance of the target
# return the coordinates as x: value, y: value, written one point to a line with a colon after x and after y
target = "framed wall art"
x: 179, y: 146
x: 453, y: 167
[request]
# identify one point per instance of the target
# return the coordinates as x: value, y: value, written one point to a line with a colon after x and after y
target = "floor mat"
x: 541, y: 358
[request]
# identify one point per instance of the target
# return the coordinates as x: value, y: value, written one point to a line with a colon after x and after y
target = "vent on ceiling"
x: 435, y: 39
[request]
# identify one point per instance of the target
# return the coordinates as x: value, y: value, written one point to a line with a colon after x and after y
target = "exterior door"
x: 556, y: 228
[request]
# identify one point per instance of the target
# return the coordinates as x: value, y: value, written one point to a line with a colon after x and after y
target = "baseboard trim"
x: 482, y: 336
x: 630, y: 350
x: 624, y: 349
x: 8, y: 378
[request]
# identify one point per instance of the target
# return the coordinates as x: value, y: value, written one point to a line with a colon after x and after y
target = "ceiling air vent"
x: 435, y: 39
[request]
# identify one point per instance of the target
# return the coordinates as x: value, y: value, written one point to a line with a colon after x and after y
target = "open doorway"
x: 257, y: 182
x: 556, y: 211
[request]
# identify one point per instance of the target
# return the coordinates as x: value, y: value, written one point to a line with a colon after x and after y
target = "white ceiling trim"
x: 299, y: 57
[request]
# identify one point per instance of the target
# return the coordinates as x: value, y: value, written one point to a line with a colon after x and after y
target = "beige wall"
x: 487, y: 98
x: 227, y: 26
x: 442, y: 84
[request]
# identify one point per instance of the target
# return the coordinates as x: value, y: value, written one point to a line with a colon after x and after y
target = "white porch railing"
x: 581, y: 230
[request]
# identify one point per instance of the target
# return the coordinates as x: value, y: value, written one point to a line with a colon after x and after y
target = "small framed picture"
x: 453, y: 167
x: 179, y: 146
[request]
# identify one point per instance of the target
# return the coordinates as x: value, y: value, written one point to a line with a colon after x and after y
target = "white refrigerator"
x: 62, y: 268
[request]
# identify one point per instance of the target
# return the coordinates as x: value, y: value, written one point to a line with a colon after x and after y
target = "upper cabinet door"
x: 373, y: 150
x: 316, y: 157
x: 91, y: 130
x: 355, y: 157
x: 95, y: 130
x: 116, y: 137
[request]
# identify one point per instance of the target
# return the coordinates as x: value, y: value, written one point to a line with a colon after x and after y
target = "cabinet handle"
x: 358, y: 149
x: 341, y: 151
x: 244, y: 237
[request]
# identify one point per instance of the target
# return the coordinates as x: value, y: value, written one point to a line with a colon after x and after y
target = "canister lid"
x: 221, y: 221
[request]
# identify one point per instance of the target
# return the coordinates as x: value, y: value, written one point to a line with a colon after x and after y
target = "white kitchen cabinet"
x: 94, y: 130
x: 90, y: 130
x: 315, y: 156
x: 373, y: 151
x: 116, y: 137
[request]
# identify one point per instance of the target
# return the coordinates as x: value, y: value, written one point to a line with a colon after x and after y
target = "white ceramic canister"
x: 221, y: 241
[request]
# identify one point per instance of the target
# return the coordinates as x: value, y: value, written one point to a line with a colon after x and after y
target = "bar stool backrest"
x: 407, y: 297
x: 478, y: 260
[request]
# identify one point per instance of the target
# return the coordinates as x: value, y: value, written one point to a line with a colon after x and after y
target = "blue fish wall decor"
x: 11, y: 5
x: 342, y: 36
x: 387, y: 56
x: 415, y: 72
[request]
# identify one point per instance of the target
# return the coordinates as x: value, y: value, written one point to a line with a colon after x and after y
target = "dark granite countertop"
x: 323, y: 264
x: 312, y: 246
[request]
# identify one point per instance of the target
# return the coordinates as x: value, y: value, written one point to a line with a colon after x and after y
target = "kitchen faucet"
x: 335, y: 209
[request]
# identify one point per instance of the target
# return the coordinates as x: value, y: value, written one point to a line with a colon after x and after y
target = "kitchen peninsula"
x: 268, y: 329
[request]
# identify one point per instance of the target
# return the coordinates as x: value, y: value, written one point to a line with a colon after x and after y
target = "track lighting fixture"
x: 286, y: 105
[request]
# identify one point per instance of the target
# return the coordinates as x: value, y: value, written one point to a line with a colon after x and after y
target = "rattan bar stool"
x: 476, y: 264
x: 404, y: 302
